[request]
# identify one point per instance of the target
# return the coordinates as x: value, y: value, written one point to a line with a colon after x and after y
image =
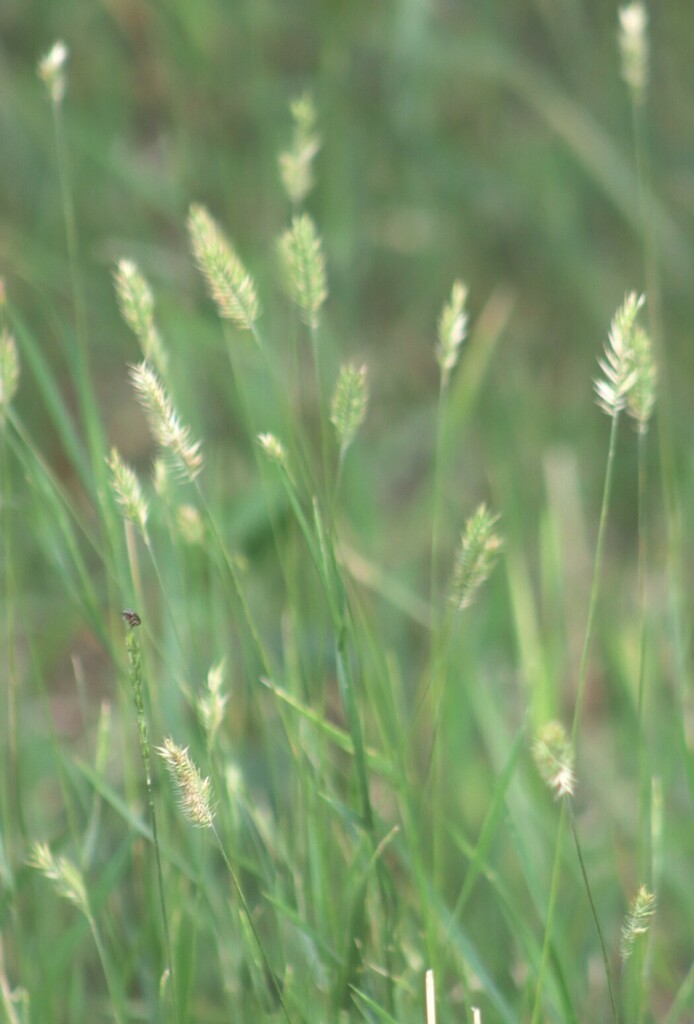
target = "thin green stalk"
x: 249, y: 918
x: 137, y: 683
x: 595, y: 587
x: 594, y: 912
x: 549, y: 922
x: 88, y: 403
x: 114, y: 992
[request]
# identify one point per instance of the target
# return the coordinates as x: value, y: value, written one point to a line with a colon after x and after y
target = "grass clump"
x: 349, y: 649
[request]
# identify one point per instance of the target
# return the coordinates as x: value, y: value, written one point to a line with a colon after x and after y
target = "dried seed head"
x: 554, y: 758
x: 228, y: 282
x: 304, y: 267
x: 641, y: 397
x: 51, y: 70
x: 348, y: 406
x: 296, y: 163
x: 476, y: 556
x: 194, y: 792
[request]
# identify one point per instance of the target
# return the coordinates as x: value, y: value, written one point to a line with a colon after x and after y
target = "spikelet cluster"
x: 554, y: 758
x: 136, y: 304
x: 51, y: 69
x: 273, y: 449
x: 212, y: 704
x: 475, y: 557
x: 9, y: 372
x: 128, y: 491
x: 641, y: 397
x: 618, y: 363
x: 349, y: 402
x: 638, y: 920
x: 452, y: 328
x: 303, y: 265
x: 194, y: 791
x: 228, y: 282
x: 296, y: 163
x: 633, y: 47
x: 66, y: 877
x: 166, y: 427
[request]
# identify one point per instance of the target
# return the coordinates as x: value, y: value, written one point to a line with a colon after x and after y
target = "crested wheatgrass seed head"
x: 296, y: 163
x: 212, y: 704
x: 633, y: 47
x: 618, y: 365
x: 68, y: 880
x: 136, y: 304
x: 128, y: 492
x: 9, y: 372
x: 51, y: 69
x: 273, y: 449
x: 475, y: 558
x: 349, y: 402
x: 637, y: 922
x: 194, y: 792
x: 303, y: 267
x: 554, y: 758
x: 228, y: 282
x: 166, y: 427
x: 452, y: 328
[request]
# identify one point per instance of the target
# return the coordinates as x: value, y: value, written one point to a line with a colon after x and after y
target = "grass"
x: 291, y: 623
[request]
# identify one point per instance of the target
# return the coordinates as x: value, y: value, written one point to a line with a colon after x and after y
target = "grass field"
x: 346, y: 477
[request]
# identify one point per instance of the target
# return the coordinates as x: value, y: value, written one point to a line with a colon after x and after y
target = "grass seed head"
x: 554, y: 757
x: 475, y: 558
x: 296, y: 163
x: 166, y: 427
x: 349, y: 402
x: 618, y: 365
x: 303, y: 266
x: 228, y: 282
x: 51, y: 69
x: 136, y: 304
x: 633, y: 47
x: 128, y: 492
x: 638, y: 921
x: 452, y: 329
x: 194, y: 791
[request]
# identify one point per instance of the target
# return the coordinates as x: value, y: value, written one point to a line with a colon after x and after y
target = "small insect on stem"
x: 131, y: 617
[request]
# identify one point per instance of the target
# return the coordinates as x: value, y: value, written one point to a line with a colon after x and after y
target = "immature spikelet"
x: 296, y: 163
x: 273, y: 449
x: 67, y: 879
x: 51, y: 70
x: 618, y: 365
x: 166, y: 427
x: 452, y: 328
x: 128, y: 492
x: 304, y: 267
x: 348, y: 406
x: 641, y: 397
x: 475, y: 558
x: 228, y: 282
x: 554, y: 758
x: 633, y: 46
x: 190, y: 525
x: 137, y: 308
x: 212, y: 704
x: 194, y: 792
x: 638, y: 921
x: 9, y: 372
